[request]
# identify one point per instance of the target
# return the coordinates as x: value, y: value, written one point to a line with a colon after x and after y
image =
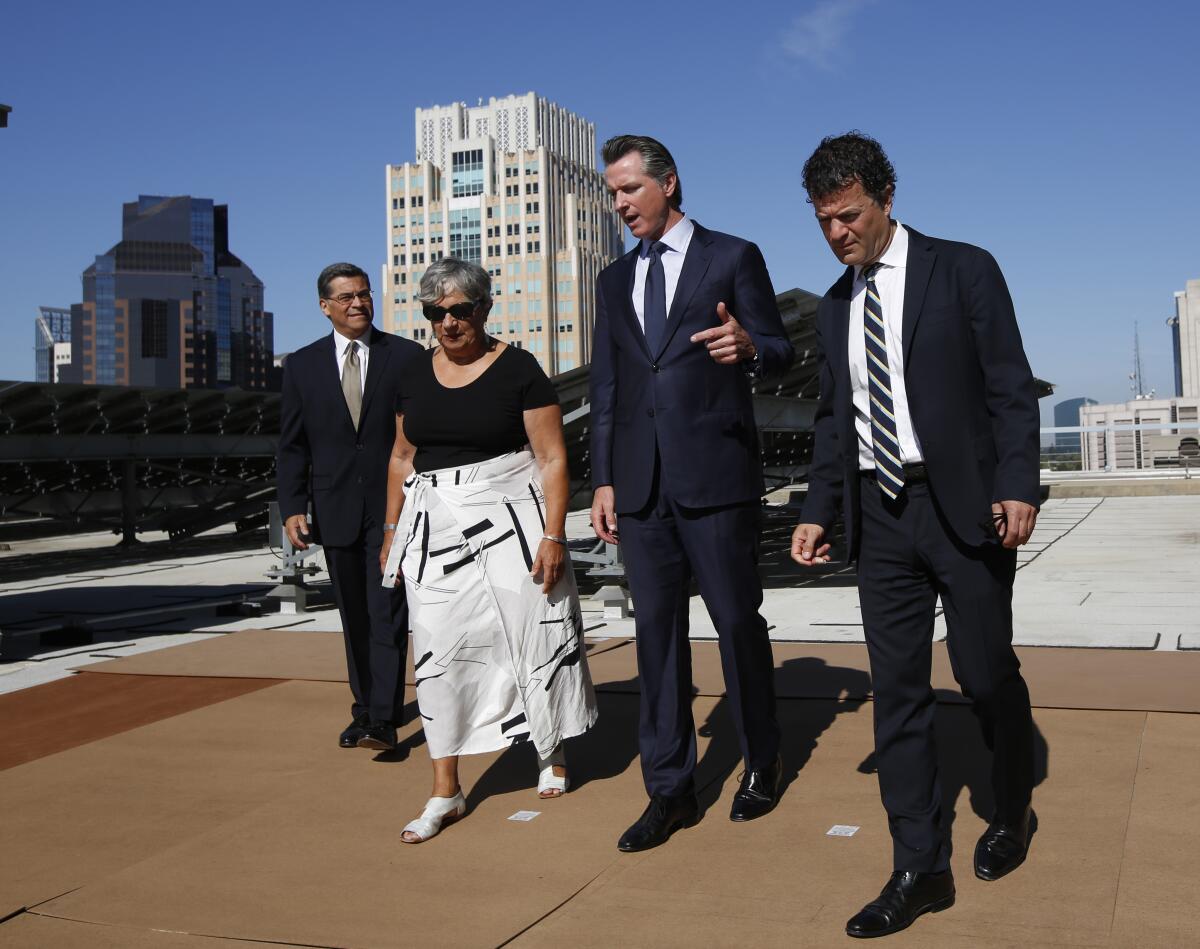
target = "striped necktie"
x: 889, y: 470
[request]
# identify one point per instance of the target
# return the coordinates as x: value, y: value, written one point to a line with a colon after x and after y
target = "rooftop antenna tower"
x: 1136, y: 385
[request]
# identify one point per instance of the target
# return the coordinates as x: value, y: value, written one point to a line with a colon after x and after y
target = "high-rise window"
x: 154, y: 329
x: 465, y: 235
x: 466, y: 173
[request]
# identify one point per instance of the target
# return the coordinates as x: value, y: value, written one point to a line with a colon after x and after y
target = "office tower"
x: 1185, y: 339
x: 171, y: 306
x: 51, y: 343
x: 513, y: 186
x: 1066, y: 415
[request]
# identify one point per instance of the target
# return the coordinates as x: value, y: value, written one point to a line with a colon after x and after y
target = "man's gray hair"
x: 656, y: 160
x: 449, y: 274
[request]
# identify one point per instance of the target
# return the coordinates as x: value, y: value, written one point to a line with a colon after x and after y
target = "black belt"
x: 915, y: 473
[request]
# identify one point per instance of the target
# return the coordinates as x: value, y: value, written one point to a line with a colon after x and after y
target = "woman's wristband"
x: 557, y: 540
x: 389, y: 527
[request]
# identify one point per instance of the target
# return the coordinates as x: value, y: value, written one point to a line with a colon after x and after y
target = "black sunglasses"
x: 460, y: 311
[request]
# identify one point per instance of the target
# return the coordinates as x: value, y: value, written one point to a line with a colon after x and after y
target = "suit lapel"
x: 836, y: 352
x: 375, y: 367
x: 623, y: 274
x: 918, y: 269
x: 695, y: 266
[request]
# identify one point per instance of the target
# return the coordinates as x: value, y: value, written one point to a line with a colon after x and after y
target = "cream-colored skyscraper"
x: 1185, y: 339
x: 513, y: 186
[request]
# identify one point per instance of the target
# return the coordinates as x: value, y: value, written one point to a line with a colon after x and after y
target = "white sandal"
x: 439, y: 812
x: 548, y: 781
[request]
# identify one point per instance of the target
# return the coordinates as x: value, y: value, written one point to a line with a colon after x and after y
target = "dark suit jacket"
x: 970, y: 392
x: 321, y: 457
x: 698, y: 413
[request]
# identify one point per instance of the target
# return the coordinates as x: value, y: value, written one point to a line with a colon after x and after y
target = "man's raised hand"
x: 728, y: 343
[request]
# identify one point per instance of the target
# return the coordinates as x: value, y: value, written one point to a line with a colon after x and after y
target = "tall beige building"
x: 1185, y: 339
x: 513, y: 186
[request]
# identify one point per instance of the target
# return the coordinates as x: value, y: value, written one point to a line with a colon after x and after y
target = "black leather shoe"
x: 379, y: 735
x: 354, y: 731
x: 758, y: 793
x: 906, y: 896
x: 661, y: 818
x: 1003, y: 847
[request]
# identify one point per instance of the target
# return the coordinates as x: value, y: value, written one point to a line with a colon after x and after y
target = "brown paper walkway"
x: 1118, y: 679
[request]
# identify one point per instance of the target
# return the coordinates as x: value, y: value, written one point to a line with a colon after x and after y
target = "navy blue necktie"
x: 889, y: 470
x: 654, y: 303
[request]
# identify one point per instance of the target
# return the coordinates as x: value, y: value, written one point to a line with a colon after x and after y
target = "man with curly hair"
x: 927, y: 439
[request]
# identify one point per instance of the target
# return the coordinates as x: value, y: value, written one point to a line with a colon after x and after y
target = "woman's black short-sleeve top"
x: 454, y: 427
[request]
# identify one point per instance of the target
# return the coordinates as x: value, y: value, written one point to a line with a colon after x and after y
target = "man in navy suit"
x: 927, y: 439
x: 337, y: 426
x: 683, y: 323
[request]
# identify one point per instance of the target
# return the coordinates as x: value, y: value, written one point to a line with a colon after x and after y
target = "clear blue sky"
x: 1062, y: 137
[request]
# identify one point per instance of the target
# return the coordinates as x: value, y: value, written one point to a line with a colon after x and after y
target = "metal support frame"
x: 290, y: 589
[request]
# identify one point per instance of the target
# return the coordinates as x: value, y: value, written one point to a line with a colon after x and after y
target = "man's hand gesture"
x: 728, y: 343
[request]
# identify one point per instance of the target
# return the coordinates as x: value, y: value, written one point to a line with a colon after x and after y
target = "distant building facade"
x: 1185, y: 339
x: 1066, y: 415
x: 171, y: 306
x: 1133, y: 450
x: 51, y: 343
x: 512, y: 186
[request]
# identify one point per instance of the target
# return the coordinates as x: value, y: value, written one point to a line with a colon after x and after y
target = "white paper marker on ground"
x: 529, y: 815
x: 841, y: 830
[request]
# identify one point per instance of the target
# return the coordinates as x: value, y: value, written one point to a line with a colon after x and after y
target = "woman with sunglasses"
x: 476, y: 510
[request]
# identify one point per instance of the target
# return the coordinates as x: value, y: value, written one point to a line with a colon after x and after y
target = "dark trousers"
x: 374, y: 625
x: 908, y: 557
x: 664, y: 545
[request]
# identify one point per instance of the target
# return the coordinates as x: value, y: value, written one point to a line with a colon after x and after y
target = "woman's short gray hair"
x: 449, y: 274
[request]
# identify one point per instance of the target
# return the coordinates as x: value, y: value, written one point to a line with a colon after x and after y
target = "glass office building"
x: 171, y: 305
x: 51, y: 342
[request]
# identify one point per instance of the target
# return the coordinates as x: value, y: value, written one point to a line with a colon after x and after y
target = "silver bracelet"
x: 389, y: 527
x: 557, y: 540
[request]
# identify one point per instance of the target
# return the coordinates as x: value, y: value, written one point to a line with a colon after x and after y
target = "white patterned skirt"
x: 497, y: 661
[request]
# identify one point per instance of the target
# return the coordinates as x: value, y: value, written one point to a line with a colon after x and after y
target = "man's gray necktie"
x: 352, y: 384
x: 654, y: 303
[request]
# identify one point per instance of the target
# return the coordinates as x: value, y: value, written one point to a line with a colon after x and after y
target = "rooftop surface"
x: 176, y: 781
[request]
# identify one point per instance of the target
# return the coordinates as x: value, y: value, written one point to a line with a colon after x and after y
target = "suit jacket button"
x: 650, y: 412
x: 358, y: 447
x: 655, y: 368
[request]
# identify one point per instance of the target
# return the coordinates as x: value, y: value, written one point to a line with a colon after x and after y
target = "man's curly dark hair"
x: 841, y: 160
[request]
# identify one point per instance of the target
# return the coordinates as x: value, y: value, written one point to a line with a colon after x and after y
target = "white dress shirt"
x: 677, y: 239
x: 341, y: 346
x: 889, y: 281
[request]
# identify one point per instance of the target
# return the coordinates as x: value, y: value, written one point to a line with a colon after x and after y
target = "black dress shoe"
x: 758, y: 793
x: 354, y: 731
x: 906, y: 896
x: 379, y: 735
x: 661, y: 818
x: 1003, y: 847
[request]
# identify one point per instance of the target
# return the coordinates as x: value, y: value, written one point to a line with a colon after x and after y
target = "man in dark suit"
x: 337, y: 426
x: 683, y: 322
x: 927, y: 438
